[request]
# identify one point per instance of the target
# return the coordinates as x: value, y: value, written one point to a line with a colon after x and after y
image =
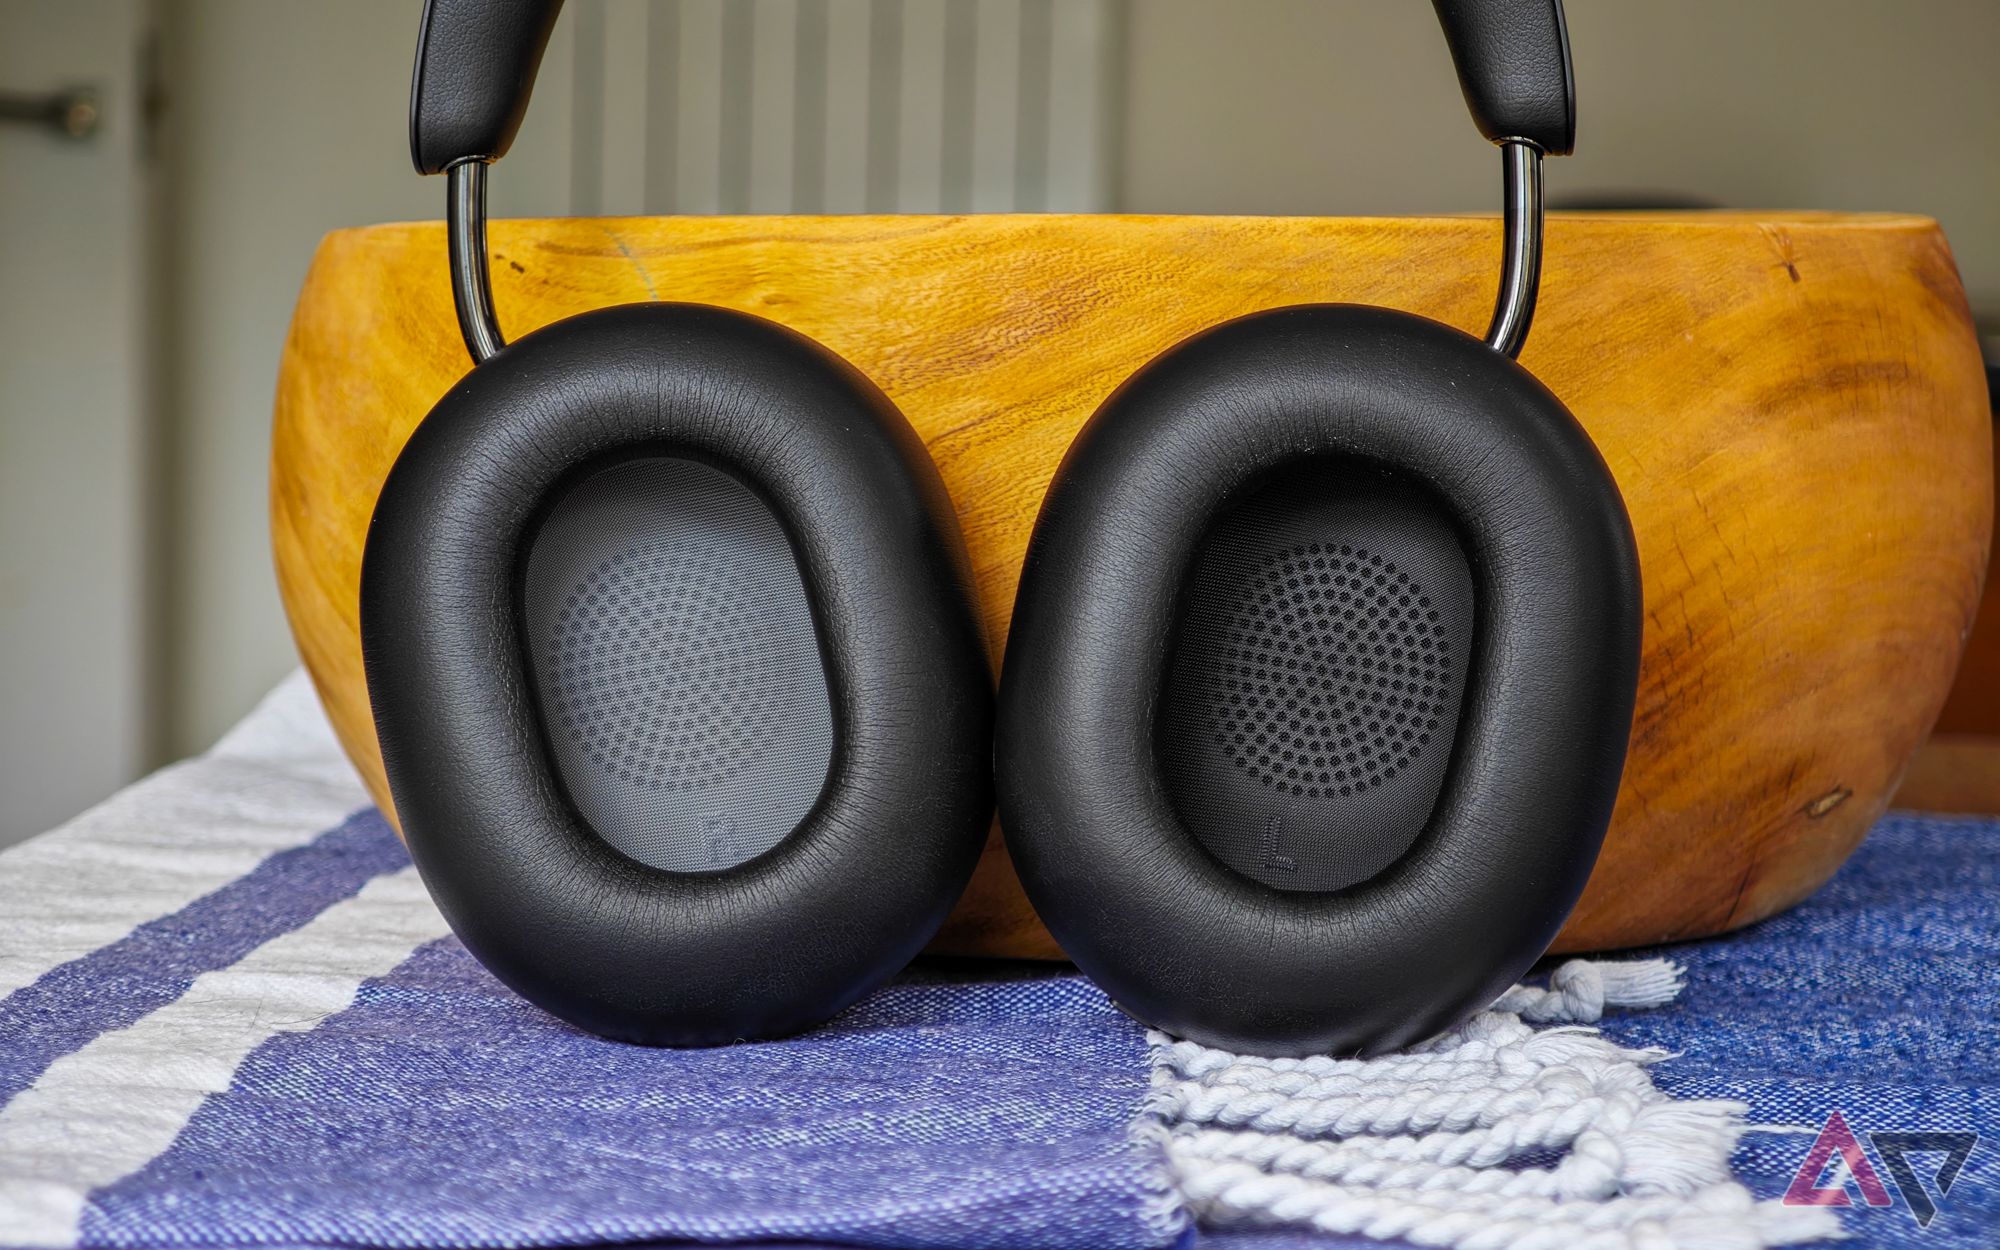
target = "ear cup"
x: 676, y: 665
x: 1319, y: 682
x: 1317, y: 670
x: 680, y: 691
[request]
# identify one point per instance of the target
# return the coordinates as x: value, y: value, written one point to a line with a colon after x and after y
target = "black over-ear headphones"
x: 1316, y: 694
x: 1321, y: 672
x: 669, y: 636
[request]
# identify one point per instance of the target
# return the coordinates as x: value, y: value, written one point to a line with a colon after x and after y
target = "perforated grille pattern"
x: 1334, y: 672
x: 1312, y: 689
x: 677, y: 665
x: 653, y: 677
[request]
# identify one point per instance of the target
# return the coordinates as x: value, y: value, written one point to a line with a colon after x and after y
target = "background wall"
x: 1296, y: 106
x: 282, y: 121
x: 74, y: 437
x: 285, y: 119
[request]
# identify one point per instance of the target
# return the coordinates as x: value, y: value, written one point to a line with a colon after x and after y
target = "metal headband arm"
x: 465, y: 236
x: 1521, y: 263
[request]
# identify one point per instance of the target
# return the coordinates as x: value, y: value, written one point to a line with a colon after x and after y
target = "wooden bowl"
x: 1793, y: 405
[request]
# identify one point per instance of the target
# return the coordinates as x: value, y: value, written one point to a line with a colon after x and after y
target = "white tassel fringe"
x: 1414, y: 1146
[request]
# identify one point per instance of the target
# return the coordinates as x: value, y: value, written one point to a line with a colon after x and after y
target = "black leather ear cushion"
x: 1201, y: 951
x: 783, y: 940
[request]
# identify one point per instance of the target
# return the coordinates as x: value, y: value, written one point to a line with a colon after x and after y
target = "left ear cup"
x: 680, y: 691
x: 1319, y: 681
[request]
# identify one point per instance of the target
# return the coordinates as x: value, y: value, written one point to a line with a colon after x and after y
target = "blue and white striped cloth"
x: 230, y: 1017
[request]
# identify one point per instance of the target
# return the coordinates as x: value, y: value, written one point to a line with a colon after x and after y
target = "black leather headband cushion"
x: 1172, y: 935
x: 1513, y: 64
x: 476, y: 67
x: 780, y: 941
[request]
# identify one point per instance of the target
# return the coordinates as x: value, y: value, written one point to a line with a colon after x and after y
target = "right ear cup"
x: 1319, y: 682
x: 679, y: 686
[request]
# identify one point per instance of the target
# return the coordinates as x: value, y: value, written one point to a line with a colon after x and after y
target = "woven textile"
x: 229, y: 1016
x: 1496, y: 1134
x: 1879, y: 999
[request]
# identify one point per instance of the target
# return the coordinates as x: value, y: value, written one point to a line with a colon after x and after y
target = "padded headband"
x: 476, y: 63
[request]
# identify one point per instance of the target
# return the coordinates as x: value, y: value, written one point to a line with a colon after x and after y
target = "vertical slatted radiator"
x: 841, y: 106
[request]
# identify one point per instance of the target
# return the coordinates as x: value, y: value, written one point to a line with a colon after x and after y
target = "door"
x: 73, y: 476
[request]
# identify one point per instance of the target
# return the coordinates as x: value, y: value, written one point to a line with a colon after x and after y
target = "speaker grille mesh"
x: 652, y: 677
x: 677, y: 664
x: 1312, y: 687
x: 1333, y: 672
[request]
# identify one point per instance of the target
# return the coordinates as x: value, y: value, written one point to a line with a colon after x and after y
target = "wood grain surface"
x: 1791, y: 403
x: 1958, y: 770
x: 1973, y: 707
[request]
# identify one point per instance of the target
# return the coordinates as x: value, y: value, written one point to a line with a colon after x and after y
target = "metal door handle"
x: 72, y: 112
